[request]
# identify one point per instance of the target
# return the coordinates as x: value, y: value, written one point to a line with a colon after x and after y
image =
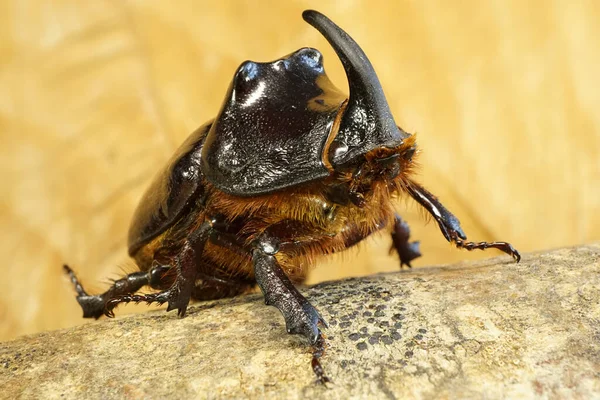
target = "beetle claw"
x: 179, y: 297
x: 304, y: 319
x: 179, y: 305
x: 181, y: 311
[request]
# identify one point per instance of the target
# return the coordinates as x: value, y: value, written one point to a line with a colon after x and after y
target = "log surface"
x: 490, y: 329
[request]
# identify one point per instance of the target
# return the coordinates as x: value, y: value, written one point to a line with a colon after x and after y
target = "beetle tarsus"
x: 450, y: 225
x: 407, y: 251
x: 502, y: 246
x: 113, y: 302
x: 76, y: 284
x: 94, y: 306
x: 318, y: 350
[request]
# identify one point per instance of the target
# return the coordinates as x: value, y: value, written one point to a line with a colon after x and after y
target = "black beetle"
x: 289, y: 169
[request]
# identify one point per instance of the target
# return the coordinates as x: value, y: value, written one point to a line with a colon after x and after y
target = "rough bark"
x: 490, y: 329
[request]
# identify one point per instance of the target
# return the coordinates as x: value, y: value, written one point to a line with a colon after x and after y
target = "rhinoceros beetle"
x: 288, y: 170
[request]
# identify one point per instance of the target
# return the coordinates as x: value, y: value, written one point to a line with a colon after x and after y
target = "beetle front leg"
x: 450, y: 225
x: 300, y: 316
x: 407, y: 251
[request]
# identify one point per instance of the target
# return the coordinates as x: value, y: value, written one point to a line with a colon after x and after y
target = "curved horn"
x: 368, y: 116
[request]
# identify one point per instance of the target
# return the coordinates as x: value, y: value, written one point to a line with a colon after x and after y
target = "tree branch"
x: 491, y: 329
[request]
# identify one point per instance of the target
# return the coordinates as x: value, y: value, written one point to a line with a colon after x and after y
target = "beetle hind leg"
x: 94, y: 306
x: 159, y: 298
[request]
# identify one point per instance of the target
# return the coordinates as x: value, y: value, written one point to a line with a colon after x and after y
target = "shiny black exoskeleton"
x: 290, y: 169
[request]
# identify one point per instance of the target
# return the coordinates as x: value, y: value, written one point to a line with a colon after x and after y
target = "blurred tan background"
x: 96, y: 95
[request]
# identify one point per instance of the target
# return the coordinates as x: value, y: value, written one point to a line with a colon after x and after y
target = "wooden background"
x: 95, y: 96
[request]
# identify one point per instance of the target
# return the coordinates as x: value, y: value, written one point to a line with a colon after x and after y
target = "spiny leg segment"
x: 94, y: 306
x: 122, y: 291
x: 450, y: 225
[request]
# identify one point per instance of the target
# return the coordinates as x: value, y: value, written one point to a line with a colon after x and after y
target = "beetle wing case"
x: 170, y: 193
x: 273, y: 126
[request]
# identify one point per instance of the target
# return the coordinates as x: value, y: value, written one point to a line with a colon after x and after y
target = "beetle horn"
x: 367, y: 122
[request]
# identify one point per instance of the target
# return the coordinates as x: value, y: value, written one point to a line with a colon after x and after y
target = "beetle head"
x: 367, y: 127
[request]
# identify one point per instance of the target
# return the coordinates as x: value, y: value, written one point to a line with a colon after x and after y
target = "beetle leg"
x: 93, y: 305
x: 502, y: 246
x: 181, y: 291
x: 300, y: 316
x: 318, y: 350
x: 178, y: 295
x: 450, y: 225
x: 113, y: 302
x: 407, y: 251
